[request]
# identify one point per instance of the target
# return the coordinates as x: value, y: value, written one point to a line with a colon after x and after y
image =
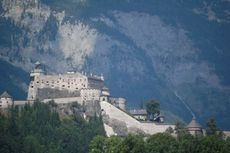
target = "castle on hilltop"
x: 69, y: 87
x: 90, y: 92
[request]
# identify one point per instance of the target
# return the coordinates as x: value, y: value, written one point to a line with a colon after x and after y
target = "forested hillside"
x: 160, y: 143
x: 39, y: 129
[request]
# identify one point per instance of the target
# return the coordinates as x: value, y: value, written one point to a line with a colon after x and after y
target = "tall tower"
x: 36, y: 71
x: 34, y: 75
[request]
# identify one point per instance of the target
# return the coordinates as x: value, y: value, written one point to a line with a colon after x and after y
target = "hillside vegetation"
x: 161, y: 143
x: 38, y: 129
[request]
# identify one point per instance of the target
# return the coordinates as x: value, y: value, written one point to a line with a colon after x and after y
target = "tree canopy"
x: 37, y: 128
x: 152, y: 108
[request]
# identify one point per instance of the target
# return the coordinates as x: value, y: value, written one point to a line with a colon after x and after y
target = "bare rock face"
x: 178, y: 61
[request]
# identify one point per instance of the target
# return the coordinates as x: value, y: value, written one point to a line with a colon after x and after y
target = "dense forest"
x: 160, y: 143
x: 39, y: 128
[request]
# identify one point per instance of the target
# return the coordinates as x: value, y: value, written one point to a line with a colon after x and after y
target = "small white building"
x: 139, y: 114
x: 5, y: 100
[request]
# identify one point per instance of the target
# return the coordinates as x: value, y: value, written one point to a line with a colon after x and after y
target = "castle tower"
x: 104, y: 94
x: 194, y: 128
x: 34, y: 74
x: 36, y: 71
x: 5, y: 100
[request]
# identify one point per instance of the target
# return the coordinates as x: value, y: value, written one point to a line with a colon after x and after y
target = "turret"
x: 102, y: 77
x: 194, y: 128
x: 104, y: 94
x: 36, y: 71
x: 5, y: 100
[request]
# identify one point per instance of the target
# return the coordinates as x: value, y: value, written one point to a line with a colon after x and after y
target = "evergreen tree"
x: 152, y: 108
x: 211, y: 127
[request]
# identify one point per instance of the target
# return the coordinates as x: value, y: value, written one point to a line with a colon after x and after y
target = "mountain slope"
x: 175, y: 51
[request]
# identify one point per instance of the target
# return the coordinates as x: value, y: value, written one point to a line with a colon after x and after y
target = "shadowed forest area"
x: 39, y: 128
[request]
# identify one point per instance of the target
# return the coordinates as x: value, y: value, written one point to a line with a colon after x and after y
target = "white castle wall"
x: 115, y: 113
x: 90, y: 94
x: 20, y: 102
x: 70, y: 81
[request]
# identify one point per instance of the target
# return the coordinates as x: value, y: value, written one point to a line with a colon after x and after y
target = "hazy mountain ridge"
x: 141, y: 52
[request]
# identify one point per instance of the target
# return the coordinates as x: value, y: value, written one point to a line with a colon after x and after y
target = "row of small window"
x: 72, y: 79
x: 62, y: 86
x: 62, y: 81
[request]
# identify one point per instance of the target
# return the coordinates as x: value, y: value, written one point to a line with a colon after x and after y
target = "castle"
x: 69, y: 87
x: 90, y: 92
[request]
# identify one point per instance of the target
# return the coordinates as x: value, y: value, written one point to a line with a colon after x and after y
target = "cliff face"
x: 174, y: 51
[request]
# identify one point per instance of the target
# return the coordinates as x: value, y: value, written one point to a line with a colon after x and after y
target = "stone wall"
x: 90, y: 94
x: 111, y: 113
x: 65, y: 100
x: 49, y: 93
x: 92, y: 108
